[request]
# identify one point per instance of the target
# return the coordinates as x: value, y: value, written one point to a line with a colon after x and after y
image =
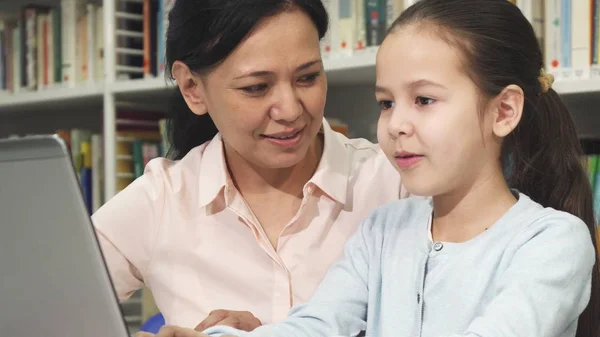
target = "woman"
x: 263, y: 194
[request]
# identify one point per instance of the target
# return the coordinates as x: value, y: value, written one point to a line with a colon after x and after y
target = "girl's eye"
x: 422, y: 100
x: 309, y: 79
x: 386, y: 105
x: 254, y: 89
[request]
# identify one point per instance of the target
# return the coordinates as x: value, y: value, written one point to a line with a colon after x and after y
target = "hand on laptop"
x: 174, y: 331
x: 242, y: 320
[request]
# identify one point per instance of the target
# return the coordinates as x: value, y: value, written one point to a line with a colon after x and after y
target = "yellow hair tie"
x: 545, y: 80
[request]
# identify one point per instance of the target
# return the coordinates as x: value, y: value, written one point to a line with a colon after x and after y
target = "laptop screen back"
x: 53, y: 281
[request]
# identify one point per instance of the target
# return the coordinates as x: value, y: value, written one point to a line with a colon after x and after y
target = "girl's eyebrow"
x: 424, y: 82
x: 412, y: 85
x: 379, y: 89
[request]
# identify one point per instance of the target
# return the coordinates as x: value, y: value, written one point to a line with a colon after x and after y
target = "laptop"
x: 53, y: 280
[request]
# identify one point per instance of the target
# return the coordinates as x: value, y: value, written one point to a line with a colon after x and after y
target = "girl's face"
x: 431, y: 127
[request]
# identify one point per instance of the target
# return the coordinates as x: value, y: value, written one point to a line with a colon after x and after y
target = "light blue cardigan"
x: 528, y: 275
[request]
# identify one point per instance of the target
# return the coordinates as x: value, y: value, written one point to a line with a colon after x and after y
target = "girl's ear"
x: 508, y: 110
x: 191, y: 88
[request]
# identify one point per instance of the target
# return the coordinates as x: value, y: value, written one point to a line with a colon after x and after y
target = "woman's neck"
x: 467, y: 212
x: 251, y: 179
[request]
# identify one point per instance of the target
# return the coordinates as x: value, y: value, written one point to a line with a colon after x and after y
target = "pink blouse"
x: 183, y: 230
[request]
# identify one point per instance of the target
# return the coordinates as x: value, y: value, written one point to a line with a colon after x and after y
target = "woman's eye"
x: 308, y: 79
x: 386, y: 105
x: 252, y: 89
x: 422, y: 100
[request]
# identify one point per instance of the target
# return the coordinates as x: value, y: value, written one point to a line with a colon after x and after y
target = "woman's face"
x: 267, y: 98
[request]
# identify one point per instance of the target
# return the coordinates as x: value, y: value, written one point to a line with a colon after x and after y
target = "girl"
x: 491, y: 253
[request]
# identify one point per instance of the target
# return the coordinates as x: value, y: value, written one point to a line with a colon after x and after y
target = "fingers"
x: 175, y: 331
x: 213, y: 318
x: 242, y: 320
x: 246, y: 321
x: 240, y: 324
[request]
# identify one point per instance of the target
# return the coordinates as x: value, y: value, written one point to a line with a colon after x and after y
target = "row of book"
x: 63, y: 45
x: 570, y: 34
x: 593, y: 170
x: 356, y: 25
x: 568, y: 31
x: 48, y: 46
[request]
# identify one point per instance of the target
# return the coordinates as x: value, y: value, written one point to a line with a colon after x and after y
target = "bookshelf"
x: 95, y: 102
x: 343, y: 70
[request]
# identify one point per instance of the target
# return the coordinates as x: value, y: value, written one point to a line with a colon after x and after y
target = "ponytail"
x: 546, y: 163
x: 185, y: 129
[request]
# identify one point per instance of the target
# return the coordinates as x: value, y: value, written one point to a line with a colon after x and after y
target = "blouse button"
x: 438, y: 246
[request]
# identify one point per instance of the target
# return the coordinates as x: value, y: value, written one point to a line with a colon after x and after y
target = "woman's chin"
x: 282, y: 160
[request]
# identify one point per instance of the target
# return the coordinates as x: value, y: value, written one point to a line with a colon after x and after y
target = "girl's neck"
x: 467, y: 212
x: 251, y: 179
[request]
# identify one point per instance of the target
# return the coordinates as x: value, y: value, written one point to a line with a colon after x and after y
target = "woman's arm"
x: 126, y: 228
x: 339, y: 304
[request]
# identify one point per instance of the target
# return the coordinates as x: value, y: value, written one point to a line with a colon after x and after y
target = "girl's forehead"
x: 407, y: 51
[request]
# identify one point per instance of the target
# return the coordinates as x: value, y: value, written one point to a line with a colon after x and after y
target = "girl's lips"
x: 407, y: 160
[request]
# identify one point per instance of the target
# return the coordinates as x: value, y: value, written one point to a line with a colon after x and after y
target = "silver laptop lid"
x: 53, y: 280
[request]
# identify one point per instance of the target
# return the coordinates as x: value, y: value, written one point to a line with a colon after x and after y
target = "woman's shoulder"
x: 163, y: 178
x: 365, y: 156
x: 176, y: 174
x: 370, y: 173
x: 361, y: 146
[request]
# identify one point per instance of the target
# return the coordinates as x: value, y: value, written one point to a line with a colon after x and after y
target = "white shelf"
x: 341, y: 70
x: 51, y: 98
x: 351, y: 69
x: 577, y: 86
x: 140, y: 85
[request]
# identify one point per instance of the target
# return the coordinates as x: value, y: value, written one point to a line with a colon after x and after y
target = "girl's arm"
x: 339, y: 305
x: 546, y: 286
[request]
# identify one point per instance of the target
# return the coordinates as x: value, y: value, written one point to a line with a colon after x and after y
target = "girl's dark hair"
x: 542, y: 155
x: 201, y: 34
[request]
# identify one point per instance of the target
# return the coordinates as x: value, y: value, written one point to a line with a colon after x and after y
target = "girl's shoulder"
x: 546, y: 225
x: 407, y: 213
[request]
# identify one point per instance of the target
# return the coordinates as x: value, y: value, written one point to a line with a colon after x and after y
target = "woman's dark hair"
x: 500, y: 48
x: 201, y: 34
